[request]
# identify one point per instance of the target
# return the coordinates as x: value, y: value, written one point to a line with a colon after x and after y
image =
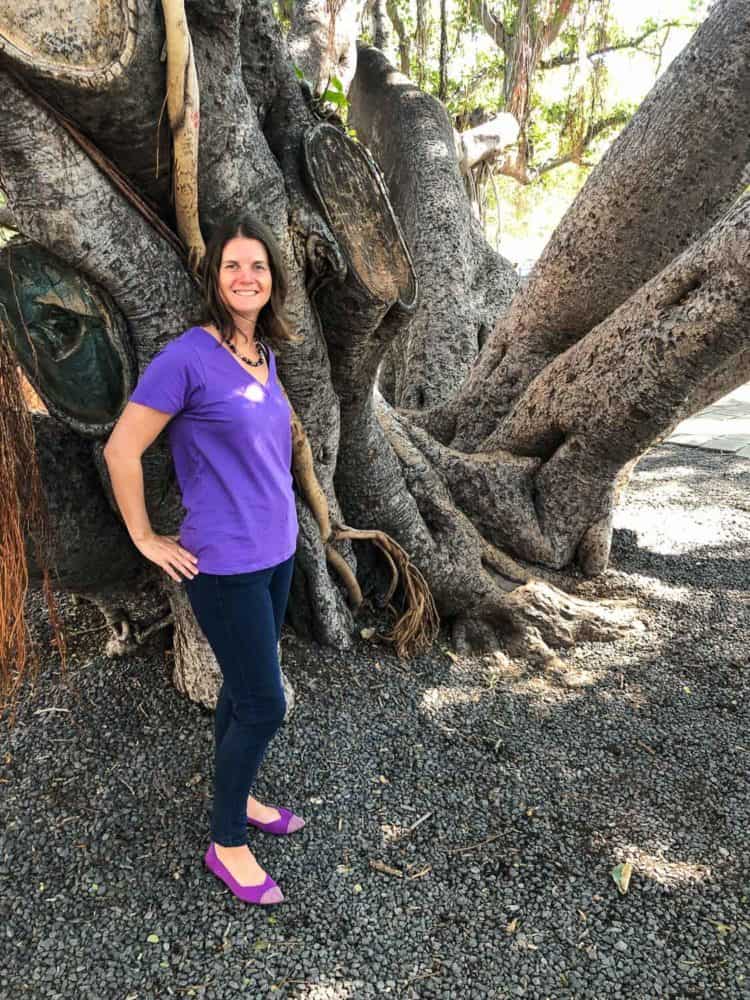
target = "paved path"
x: 723, y: 426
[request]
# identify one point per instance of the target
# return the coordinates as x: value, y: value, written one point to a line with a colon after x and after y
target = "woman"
x: 230, y: 435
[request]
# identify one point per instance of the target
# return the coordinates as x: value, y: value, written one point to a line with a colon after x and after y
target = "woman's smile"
x: 245, y: 276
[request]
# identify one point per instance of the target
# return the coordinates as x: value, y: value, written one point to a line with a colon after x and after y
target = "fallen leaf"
x: 153, y: 939
x: 512, y: 927
x: 383, y: 780
x: 358, y: 887
x: 367, y: 633
x: 621, y: 874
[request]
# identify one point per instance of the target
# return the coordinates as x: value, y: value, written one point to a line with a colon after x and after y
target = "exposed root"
x: 125, y: 634
x: 536, y: 619
x: 304, y: 473
x: 417, y: 628
x: 562, y: 620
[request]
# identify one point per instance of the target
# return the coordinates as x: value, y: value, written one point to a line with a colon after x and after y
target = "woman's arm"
x: 137, y: 428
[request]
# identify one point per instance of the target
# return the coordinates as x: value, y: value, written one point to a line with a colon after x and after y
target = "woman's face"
x: 245, y: 277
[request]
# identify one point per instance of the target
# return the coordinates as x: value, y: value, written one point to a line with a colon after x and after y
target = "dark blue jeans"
x: 241, y: 616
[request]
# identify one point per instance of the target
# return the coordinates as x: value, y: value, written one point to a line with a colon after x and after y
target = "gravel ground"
x: 495, y: 801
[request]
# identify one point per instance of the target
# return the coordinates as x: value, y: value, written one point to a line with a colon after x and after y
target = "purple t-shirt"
x: 231, y: 442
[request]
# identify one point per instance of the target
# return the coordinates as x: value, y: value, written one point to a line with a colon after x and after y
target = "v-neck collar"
x: 238, y: 363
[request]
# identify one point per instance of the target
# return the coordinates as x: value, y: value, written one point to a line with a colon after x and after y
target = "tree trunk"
x: 464, y: 284
x: 487, y: 464
x: 643, y: 203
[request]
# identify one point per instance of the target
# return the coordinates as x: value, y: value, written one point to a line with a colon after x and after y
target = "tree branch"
x: 404, y: 43
x: 551, y: 30
x: 492, y: 25
x: 594, y: 130
x: 568, y: 58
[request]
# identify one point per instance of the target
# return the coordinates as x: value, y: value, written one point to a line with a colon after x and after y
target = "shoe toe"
x: 272, y: 895
x: 295, y: 823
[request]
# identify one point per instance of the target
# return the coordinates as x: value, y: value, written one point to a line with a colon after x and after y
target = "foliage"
x: 572, y: 86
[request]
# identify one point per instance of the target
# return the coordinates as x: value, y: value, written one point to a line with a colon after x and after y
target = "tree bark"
x: 90, y: 548
x: 380, y: 32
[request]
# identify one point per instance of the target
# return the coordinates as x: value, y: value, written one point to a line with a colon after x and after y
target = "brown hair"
x: 273, y: 324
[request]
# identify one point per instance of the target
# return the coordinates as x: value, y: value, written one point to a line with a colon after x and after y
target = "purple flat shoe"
x: 285, y: 824
x: 264, y: 894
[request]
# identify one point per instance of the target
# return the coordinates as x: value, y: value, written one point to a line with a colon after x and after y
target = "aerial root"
x: 183, y: 108
x: 23, y: 514
x: 417, y: 628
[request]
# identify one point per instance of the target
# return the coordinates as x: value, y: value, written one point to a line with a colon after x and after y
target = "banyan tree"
x: 476, y: 431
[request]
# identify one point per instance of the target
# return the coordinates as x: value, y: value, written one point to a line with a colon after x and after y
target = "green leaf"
x: 621, y: 874
x: 153, y: 939
x: 335, y: 97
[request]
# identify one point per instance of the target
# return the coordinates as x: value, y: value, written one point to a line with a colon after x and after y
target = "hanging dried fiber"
x: 22, y: 516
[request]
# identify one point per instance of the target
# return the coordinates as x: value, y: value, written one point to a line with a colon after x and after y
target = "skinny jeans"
x: 241, y: 616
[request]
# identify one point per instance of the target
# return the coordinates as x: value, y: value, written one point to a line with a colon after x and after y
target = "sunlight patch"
x: 445, y: 697
x: 671, y: 530
x: 659, y: 869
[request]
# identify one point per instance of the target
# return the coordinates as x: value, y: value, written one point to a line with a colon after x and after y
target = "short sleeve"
x: 169, y: 381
